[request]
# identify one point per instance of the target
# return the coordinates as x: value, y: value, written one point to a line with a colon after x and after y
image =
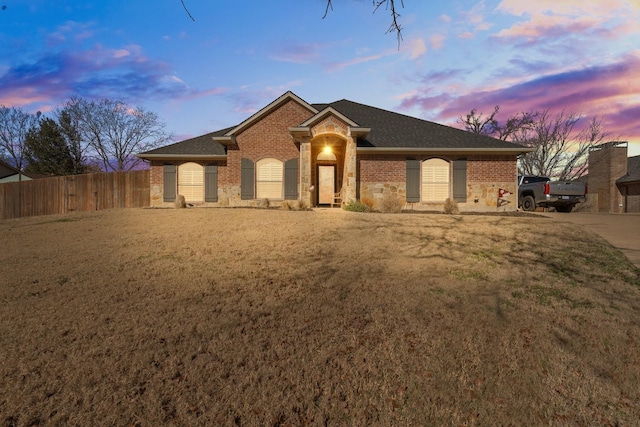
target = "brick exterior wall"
x: 606, y: 165
x: 358, y: 176
x: 491, y: 169
x: 156, y: 171
x: 385, y: 175
x: 267, y: 138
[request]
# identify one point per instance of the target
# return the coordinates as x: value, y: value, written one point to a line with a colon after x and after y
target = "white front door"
x: 326, y: 184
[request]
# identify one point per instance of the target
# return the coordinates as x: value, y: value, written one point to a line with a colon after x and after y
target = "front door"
x: 326, y: 184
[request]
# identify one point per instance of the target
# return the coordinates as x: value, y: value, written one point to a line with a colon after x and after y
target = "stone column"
x: 305, y: 171
x: 349, y: 180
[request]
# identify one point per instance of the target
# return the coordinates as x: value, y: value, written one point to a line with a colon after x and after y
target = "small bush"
x: 451, y: 207
x: 294, y: 205
x: 264, y: 203
x: 356, y: 206
x: 368, y: 201
x: 302, y: 205
x: 391, y: 204
x: 180, y: 202
x: 287, y: 205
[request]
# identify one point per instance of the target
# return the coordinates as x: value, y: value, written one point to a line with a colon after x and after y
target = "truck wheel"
x: 565, y: 208
x: 529, y: 203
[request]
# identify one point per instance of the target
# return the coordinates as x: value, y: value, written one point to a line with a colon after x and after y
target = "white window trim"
x: 441, y: 189
x: 270, y: 182
x: 191, y: 181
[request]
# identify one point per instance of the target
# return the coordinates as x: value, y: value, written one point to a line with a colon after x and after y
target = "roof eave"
x: 182, y: 156
x: 359, y: 132
x: 443, y: 150
x: 224, y: 140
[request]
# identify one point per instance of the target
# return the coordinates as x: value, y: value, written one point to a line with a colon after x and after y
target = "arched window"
x: 269, y: 179
x: 435, y: 180
x: 327, y: 155
x: 191, y: 182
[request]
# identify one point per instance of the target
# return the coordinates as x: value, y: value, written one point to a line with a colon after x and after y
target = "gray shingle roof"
x: 389, y: 131
x: 394, y: 130
x: 202, y: 145
x: 633, y: 171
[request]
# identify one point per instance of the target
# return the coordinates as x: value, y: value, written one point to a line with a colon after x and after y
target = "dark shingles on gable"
x: 200, y: 145
x: 633, y: 171
x: 394, y: 130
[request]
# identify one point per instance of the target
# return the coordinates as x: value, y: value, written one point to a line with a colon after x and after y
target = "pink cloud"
x: 417, y: 48
x: 437, y: 41
x: 552, y: 18
x: 610, y: 91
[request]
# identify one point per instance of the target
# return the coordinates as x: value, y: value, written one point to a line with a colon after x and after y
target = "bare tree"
x: 561, y: 151
x: 115, y: 131
x: 476, y: 123
x: 15, y: 124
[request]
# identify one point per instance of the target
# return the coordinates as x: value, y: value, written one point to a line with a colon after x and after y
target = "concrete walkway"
x: 621, y: 230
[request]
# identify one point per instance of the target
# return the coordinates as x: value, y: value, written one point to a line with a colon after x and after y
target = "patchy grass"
x: 273, y: 317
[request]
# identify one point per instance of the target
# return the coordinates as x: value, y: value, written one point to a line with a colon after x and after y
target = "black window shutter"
x: 291, y: 179
x: 460, y: 180
x: 211, y: 183
x: 169, y: 183
x: 247, y: 181
x: 413, y: 180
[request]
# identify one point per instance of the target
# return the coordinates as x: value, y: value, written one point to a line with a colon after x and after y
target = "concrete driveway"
x: 621, y: 230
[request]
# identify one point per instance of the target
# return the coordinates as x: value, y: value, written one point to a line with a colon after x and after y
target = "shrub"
x: 264, y: 203
x: 295, y: 205
x: 286, y: 205
x: 180, y: 202
x: 391, y: 204
x: 356, y: 206
x: 451, y: 207
x: 368, y: 201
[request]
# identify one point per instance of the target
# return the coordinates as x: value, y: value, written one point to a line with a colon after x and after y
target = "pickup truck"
x: 540, y: 191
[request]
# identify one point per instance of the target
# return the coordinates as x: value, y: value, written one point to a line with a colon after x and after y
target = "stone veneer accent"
x: 385, y: 176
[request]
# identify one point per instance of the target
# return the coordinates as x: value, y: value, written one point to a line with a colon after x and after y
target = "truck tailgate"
x: 567, y: 188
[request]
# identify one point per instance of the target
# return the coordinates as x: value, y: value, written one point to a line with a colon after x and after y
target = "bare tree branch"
x: 187, y: 10
x: 326, y: 11
x: 394, y: 27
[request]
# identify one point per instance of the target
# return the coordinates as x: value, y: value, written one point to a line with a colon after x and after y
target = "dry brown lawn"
x: 267, y: 317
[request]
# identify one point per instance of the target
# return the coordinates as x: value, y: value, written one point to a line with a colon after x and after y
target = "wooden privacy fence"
x: 74, y: 193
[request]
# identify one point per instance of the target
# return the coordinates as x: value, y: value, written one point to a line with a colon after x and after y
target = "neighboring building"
x: 614, y: 178
x: 291, y: 149
x: 10, y: 174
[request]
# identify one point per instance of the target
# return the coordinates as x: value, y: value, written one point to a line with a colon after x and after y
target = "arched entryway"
x: 327, y: 154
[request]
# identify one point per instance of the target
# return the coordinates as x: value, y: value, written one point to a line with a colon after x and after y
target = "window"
x: 191, y: 182
x: 269, y: 179
x: 435, y: 180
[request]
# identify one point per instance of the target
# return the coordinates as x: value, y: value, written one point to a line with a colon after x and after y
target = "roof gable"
x: 228, y: 137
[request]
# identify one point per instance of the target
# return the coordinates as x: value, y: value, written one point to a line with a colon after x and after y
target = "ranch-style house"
x: 323, y: 154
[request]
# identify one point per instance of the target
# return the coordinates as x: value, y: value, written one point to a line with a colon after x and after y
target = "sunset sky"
x: 237, y: 56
